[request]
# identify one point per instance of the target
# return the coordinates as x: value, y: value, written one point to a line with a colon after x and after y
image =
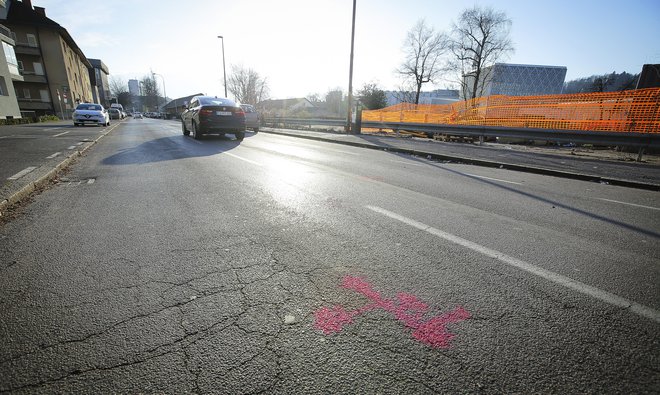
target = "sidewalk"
x: 604, y: 166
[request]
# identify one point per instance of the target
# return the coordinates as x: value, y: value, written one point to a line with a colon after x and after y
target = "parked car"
x: 207, y: 114
x: 252, y: 117
x: 90, y: 113
x: 137, y: 115
x: 114, y: 113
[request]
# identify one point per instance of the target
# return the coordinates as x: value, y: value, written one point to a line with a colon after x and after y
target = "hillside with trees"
x: 612, y: 82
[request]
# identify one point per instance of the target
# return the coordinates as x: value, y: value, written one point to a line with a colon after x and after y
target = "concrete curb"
x: 480, y: 162
x: 50, y: 175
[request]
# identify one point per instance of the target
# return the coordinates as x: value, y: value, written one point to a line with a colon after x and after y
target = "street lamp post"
x: 350, y: 77
x: 164, y: 90
x: 224, y: 71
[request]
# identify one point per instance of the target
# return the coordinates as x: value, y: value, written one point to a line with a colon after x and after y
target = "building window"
x: 3, y: 87
x: 32, y: 40
x: 45, y: 97
x: 10, y: 55
x: 20, y: 66
x: 26, y: 93
x: 38, y: 68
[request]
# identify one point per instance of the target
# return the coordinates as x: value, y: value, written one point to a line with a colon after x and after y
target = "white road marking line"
x: 80, y: 143
x: 72, y: 147
x: 406, y: 163
x: 629, y: 204
x: 21, y: 173
x: 54, y: 155
x: 564, y: 281
x: 241, y: 158
x: 91, y: 181
x: 493, y: 179
x: 60, y: 134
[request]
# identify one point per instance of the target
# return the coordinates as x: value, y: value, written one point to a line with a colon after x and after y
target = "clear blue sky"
x: 302, y: 46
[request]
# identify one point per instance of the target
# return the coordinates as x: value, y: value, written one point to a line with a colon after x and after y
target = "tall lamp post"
x: 164, y: 91
x: 224, y: 71
x: 350, y: 77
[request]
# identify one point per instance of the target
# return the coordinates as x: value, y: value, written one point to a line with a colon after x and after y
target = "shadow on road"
x: 544, y: 200
x: 172, y: 148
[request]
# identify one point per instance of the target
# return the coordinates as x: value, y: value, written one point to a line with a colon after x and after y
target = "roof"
x: 180, y: 102
x: 98, y: 64
x: 284, y: 103
x: 22, y: 13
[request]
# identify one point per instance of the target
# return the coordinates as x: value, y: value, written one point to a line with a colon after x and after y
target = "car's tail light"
x: 239, y: 111
x: 205, y: 112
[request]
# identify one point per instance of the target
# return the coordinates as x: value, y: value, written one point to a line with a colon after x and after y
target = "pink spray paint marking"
x: 407, y: 308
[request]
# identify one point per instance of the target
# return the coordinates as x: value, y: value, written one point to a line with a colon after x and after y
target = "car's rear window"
x: 89, y: 107
x: 210, y: 101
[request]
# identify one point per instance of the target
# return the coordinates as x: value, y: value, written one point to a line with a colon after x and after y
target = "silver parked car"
x: 252, y: 117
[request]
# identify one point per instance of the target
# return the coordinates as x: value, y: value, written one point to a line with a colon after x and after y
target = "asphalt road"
x: 162, y: 264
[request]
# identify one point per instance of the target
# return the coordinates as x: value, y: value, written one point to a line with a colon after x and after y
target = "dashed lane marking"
x: 629, y: 204
x: 493, y: 179
x: 21, y: 173
x: 54, y: 155
x: 407, y: 162
x: 244, y: 159
x: 60, y: 134
x: 556, y: 278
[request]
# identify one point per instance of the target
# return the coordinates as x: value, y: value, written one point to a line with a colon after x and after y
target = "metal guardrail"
x: 623, y: 139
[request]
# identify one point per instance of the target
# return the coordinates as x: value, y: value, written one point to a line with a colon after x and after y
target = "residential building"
x: 55, y: 70
x: 134, y: 88
x: 8, y: 74
x: 438, y: 96
x: 174, y: 108
x: 98, y: 76
x: 285, y: 107
x: 516, y: 80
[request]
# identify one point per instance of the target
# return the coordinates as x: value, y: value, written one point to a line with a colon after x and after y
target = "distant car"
x: 114, y: 113
x: 207, y: 114
x: 137, y: 115
x: 90, y: 113
x: 252, y: 117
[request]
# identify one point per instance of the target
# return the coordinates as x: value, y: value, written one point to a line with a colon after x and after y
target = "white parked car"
x: 90, y: 113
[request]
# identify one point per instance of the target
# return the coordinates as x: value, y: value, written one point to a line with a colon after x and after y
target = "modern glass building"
x: 518, y: 80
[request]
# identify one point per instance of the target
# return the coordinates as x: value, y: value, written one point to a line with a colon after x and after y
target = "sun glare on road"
x: 288, y: 181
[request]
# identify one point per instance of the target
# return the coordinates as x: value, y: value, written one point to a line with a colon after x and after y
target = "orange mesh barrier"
x: 626, y: 111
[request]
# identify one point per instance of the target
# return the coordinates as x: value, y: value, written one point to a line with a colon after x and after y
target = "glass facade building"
x: 519, y: 80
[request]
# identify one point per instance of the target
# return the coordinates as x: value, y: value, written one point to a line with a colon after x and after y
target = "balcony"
x: 34, y: 104
x: 30, y: 76
x: 25, y: 49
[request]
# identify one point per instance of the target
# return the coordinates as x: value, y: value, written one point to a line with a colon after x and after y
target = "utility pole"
x: 350, y: 77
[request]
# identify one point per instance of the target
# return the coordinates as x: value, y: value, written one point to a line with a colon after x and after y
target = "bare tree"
x: 424, y: 48
x: 479, y: 39
x: 119, y: 92
x: 150, y: 92
x: 247, y: 85
x: 405, y: 92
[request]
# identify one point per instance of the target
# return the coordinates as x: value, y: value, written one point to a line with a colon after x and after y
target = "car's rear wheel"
x: 195, y: 132
x: 185, y: 131
x: 240, y: 136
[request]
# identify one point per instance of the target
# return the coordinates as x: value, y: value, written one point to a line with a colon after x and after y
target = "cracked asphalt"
x: 201, y: 267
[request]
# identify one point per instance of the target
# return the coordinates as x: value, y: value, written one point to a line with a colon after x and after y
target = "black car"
x: 207, y: 114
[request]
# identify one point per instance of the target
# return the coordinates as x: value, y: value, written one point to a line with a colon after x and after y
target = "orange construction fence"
x: 625, y: 111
